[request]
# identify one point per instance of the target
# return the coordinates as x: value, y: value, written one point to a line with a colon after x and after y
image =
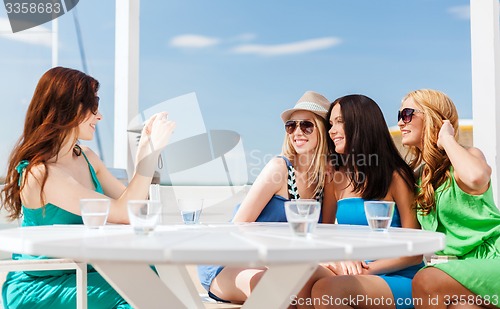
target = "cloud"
x: 460, y: 12
x: 245, y: 37
x: 36, y: 36
x: 289, y: 48
x: 193, y: 41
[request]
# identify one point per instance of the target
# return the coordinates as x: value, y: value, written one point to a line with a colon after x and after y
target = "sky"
x: 247, y: 61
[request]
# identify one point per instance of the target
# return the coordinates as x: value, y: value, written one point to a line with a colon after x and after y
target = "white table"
x: 124, y: 258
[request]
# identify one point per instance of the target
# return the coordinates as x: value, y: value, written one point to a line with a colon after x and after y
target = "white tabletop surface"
x: 252, y: 243
x: 119, y: 255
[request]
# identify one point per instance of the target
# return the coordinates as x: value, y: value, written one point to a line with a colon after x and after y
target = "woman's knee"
x: 427, y: 281
x: 318, y: 274
x: 321, y: 287
x: 255, y: 279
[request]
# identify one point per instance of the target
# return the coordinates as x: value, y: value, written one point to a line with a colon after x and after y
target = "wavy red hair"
x: 436, y: 106
x: 62, y: 100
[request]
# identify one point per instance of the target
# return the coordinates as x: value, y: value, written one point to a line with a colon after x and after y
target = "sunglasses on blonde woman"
x: 306, y: 126
x: 407, y: 114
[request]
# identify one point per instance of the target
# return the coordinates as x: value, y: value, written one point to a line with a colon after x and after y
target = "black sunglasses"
x: 95, y: 109
x: 306, y: 126
x: 407, y: 113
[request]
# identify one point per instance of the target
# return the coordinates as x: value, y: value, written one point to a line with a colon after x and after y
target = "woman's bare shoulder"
x: 94, y: 159
x: 276, y: 164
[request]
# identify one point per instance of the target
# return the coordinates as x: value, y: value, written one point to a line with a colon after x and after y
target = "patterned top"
x: 274, y: 211
x: 293, y: 191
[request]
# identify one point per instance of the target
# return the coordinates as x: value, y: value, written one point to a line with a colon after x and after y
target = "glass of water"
x: 155, y: 195
x: 302, y: 216
x: 143, y: 215
x: 190, y: 209
x: 94, y: 212
x: 379, y: 214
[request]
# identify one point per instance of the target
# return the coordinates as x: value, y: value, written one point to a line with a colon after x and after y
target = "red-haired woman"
x: 455, y: 197
x: 49, y: 173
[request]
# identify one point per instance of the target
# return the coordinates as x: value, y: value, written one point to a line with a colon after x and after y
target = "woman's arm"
x: 472, y: 173
x: 65, y: 191
x: 271, y: 181
x: 329, y: 207
x: 404, y: 198
x: 112, y: 187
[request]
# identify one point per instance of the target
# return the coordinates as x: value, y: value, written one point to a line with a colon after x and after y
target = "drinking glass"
x: 155, y: 195
x: 302, y: 216
x: 143, y: 215
x: 190, y: 209
x: 379, y: 214
x: 94, y: 212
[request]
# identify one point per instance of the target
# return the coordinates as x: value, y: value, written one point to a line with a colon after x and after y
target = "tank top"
x: 351, y: 210
x: 50, y: 214
x: 274, y: 211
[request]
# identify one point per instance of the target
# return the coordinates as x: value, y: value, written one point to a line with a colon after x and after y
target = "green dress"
x: 471, y: 224
x: 56, y: 289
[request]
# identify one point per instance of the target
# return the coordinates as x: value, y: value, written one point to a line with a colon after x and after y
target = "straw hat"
x: 310, y: 101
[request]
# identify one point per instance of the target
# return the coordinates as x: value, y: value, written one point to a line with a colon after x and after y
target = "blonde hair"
x: 437, y: 107
x: 317, y: 169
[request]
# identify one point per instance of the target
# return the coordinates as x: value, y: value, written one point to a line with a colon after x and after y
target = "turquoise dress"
x: 274, y: 211
x: 55, y: 289
x: 471, y: 224
x: 352, y: 211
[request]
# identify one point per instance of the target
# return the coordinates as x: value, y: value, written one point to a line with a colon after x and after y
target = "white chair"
x: 8, y: 265
x: 51, y: 264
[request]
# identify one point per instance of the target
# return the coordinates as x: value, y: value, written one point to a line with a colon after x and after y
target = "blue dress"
x: 352, y: 211
x: 56, y: 289
x: 274, y: 211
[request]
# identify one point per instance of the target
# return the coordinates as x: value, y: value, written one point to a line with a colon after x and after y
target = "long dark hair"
x: 370, y: 157
x: 62, y: 100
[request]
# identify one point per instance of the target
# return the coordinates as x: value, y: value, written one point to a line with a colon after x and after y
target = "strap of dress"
x: 24, y: 163
x: 93, y: 174
x: 20, y: 169
x: 293, y: 192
